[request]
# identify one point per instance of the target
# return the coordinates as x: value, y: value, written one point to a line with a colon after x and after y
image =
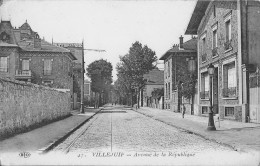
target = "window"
x: 227, y: 44
x: 228, y: 31
x: 47, y: 67
x: 25, y: 64
x: 169, y: 69
x: 229, y: 111
x: 166, y: 90
x: 3, y: 64
x: 204, y: 90
x: 214, y: 10
x: 214, y: 39
x: 204, y: 46
x: 169, y: 90
x: 229, y: 80
x: 204, y: 109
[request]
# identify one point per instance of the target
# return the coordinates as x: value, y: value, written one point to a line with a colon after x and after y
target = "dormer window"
x: 4, y: 37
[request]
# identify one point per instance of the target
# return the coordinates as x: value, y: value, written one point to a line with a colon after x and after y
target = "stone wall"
x: 25, y: 105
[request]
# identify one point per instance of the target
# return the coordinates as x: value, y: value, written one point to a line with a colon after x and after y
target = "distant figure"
x: 183, y: 110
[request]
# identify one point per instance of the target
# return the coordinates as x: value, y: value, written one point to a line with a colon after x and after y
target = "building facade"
x: 26, y: 57
x: 228, y: 37
x: 177, y: 63
x: 154, y: 81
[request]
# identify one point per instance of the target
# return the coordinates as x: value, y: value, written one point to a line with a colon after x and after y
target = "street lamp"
x: 211, y: 125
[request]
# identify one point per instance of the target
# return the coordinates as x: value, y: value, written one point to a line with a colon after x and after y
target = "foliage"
x: 157, y: 93
x: 131, y: 68
x: 188, y: 85
x: 100, y: 73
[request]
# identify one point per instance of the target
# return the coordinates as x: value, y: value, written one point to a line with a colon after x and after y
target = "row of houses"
x: 24, y: 56
x: 225, y: 34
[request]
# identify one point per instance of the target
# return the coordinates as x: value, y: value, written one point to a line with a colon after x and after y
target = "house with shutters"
x: 25, y: 56
x: 229, y: 38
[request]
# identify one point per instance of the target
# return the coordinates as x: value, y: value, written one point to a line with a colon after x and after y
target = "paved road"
x: 119, y: 129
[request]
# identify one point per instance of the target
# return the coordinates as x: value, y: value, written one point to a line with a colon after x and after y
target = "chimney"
x: 181, y: 42
x: 37, y: 41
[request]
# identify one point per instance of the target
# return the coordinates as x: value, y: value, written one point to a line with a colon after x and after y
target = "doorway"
x: 215, y: 92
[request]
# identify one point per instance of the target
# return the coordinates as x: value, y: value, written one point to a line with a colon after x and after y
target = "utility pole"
x: 83, y: 72
x: 82, y: 83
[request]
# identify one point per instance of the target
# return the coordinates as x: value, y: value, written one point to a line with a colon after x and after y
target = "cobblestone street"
x: 119, y: 129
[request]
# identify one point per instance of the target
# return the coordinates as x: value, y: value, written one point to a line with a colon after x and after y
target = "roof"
x: 196, y: 17
x: 75, y: 48
x: 3, y: 44
x: 25, y: 26
x: 6, y: 26
x: 68, y: 44
x: 189, y: 46
x: 27, y: 45
x: 154, y: 77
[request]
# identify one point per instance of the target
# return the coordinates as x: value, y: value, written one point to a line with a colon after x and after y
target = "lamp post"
x: 211, y: 125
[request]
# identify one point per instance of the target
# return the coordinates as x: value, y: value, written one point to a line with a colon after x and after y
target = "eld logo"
x: 25, y: 154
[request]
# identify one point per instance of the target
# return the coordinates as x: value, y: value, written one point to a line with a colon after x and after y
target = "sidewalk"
x: 238, y: 135
x: 40, y: 139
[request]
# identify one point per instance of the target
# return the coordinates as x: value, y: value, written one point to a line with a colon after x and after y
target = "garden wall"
x: 24, y: 106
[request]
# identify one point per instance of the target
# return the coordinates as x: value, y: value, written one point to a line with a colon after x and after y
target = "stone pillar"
x: 245, y: 93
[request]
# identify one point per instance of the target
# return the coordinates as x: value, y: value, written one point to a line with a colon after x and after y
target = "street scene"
x: 130, y: 82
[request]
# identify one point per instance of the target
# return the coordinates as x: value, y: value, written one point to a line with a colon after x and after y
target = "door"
x: 215, y: 91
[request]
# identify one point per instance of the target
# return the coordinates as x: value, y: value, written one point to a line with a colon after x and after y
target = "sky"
x: 111, y: 25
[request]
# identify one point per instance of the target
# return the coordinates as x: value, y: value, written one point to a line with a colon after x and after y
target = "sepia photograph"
x: 130, y: 82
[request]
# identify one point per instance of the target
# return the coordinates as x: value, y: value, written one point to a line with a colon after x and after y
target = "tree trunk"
x: 138, y: 98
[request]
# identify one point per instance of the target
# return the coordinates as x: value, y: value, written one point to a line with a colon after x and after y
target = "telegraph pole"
x: 83, y: 72
x: 82, y: 84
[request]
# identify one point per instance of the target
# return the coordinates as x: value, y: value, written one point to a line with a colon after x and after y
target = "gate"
x: 254, y: 102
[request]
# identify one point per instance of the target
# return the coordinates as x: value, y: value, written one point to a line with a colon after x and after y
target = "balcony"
x: 229, y: 92
x: 204, y: 57
x: 228, y: 45
x: 23, y: 75
x: 204, y: 95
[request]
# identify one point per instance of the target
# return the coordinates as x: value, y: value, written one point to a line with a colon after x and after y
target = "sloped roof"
x: 3, y: 44
x: 25, y: 26
x: 189, y: 46
x: 27, y: 45
x: 6, y: 26
x: 154, y: 77
x: 196, y: 17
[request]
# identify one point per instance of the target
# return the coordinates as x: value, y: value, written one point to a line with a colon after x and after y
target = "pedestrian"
x: 183, y: 110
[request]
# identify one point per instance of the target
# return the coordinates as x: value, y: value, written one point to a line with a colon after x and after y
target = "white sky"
x: 104, y: 24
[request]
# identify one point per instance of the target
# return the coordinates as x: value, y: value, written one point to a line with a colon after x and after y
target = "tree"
x: 133, y: 66
x: 100, y: 73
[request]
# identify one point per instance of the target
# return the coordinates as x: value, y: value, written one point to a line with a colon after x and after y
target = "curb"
x: 195, y: 133
x: 46, y: 149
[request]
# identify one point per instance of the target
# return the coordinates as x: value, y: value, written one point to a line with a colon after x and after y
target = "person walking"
x: 183, y: 110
